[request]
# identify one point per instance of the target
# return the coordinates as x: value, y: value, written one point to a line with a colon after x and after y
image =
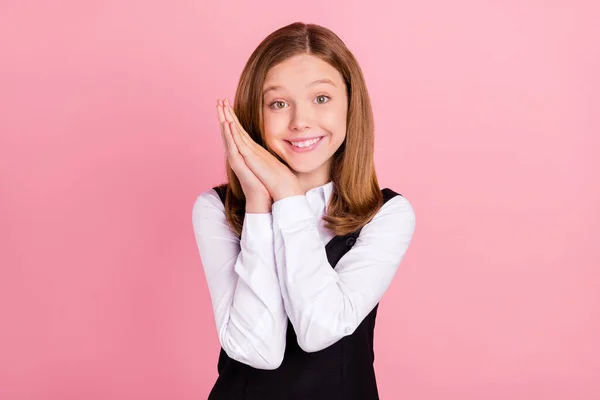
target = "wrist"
x: 289, y: 192
x: 258, y: 206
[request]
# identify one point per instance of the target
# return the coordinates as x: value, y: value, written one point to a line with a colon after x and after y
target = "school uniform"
x: 295, y: 309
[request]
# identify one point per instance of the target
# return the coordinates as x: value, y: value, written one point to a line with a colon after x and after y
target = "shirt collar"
x: 323, y: 192
x: 327, y: 190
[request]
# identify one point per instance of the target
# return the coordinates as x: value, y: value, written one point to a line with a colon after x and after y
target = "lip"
x: 305, y: 149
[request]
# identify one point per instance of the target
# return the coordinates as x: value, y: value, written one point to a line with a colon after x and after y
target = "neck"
x: 312, y: 180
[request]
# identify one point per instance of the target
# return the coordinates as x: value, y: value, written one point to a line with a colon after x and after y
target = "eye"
x: 276, y: 102
x: 322, y: 96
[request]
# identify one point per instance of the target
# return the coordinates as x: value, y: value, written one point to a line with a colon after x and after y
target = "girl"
x: 300, y: 245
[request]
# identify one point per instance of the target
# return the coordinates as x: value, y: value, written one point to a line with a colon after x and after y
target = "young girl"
x: 300, y: 245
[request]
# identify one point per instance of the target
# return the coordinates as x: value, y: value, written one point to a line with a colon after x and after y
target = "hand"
x: 258, y: 198
x: 279, y: 180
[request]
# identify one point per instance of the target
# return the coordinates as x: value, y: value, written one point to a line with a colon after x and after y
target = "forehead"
x: 298, y: 71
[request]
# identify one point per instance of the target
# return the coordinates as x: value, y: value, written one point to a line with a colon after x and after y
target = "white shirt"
x: 279, y: 269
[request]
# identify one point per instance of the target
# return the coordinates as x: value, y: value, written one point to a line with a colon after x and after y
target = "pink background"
x: 487, y: 120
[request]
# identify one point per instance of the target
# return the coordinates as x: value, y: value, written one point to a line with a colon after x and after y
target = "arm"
x: 326, y: 304
x: 249, y: 314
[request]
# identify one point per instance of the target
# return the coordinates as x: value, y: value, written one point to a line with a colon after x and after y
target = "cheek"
x: 334, y: 120
x: 275, y: 122
x: 271, y: 128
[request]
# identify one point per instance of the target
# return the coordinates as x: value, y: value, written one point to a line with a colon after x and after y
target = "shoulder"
x: 396, y: 203
x: 206, y: 202
x: 396, y: 214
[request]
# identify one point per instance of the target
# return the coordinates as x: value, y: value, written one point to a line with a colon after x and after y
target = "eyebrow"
x: 324, y: 80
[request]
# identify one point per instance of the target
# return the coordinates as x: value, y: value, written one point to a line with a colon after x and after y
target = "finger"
x: 235, y: 158
x: 232, y: 149
x: 220, y: 113
x: 241, y: 145
x: 239, y: 132
x: 229, y: 114
x: 222, y: 120
x: 230, y: 108
x: 222, y: 128
x: 225, y: 117
x: 232, y: 117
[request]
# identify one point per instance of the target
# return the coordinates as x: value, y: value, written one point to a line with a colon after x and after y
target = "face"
x: 304, y: 98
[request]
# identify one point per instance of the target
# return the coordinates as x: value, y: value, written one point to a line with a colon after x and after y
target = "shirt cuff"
x: 257, y: 229
x: 291, y: 210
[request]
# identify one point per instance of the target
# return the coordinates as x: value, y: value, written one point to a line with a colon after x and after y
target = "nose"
x: 301, y: 119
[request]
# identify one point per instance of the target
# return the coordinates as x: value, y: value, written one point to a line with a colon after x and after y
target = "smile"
x: 305, y: 146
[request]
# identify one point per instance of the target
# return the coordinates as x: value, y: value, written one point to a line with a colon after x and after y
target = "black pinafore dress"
x: 342, y: 371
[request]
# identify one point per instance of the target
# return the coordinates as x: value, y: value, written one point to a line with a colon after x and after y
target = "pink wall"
x: 487, y: 120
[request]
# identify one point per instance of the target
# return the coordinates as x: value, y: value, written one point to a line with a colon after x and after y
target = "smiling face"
x: 305, y: 98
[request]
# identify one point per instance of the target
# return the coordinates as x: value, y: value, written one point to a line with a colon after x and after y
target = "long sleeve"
x: 326, y: 304
x: 242, y: 279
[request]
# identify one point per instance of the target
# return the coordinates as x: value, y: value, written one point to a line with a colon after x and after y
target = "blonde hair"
x: 356, y: 197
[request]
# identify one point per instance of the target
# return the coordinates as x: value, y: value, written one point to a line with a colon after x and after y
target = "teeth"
x: 306, y: 143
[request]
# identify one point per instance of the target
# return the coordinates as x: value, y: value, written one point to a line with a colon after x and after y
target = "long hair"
x: 356, y: 197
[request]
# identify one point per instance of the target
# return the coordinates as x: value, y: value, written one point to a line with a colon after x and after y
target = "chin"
x: 307, y: 167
